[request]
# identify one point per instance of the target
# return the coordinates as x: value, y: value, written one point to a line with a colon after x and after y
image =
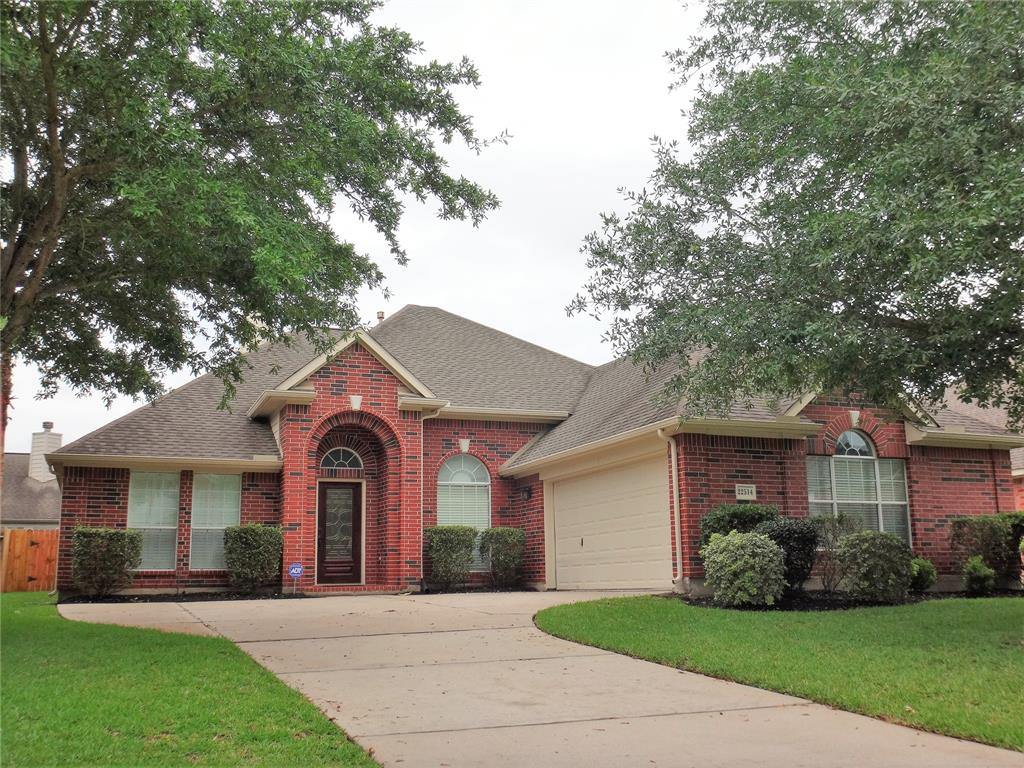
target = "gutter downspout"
x: 423, y: 418
x: 674, y: 451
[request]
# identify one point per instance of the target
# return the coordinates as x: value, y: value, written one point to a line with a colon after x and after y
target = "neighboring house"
x: 31, y: 497
x: 431, y: 419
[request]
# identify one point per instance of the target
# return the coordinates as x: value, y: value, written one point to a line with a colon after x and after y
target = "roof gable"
x: 372, y: 346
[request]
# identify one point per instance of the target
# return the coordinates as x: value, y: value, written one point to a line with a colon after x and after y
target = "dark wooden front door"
x: 339, y: 533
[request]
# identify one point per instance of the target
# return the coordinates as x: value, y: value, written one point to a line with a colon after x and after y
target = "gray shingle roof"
x: 186, y: 423
x: 462, y: 361
x: 475, y: 366
x: 469, y: 364
x: 26, y: 500
x: 974, y: 418
x: 622, y: 396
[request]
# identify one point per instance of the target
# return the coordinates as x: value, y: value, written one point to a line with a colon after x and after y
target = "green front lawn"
x: 93, y: 694
x: 951, y: 666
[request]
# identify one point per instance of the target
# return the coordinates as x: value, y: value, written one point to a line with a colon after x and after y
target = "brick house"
x: 429, y: 418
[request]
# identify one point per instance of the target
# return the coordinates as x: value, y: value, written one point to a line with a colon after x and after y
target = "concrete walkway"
x: 467, y: 680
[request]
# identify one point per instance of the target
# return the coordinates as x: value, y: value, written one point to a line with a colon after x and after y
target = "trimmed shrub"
x: 991, y: 536
x: 102, y: 559
x: 450, y: 548
x: 922, y: 575
x: 1016, y: 521
x: 743, y: 518
x: 744, y: 569
x: 798, y: 538
x: 252, y: 554
x: 831, y: 530
x: 876, y: 566
x: 504, y: 549
x: 979, y: 579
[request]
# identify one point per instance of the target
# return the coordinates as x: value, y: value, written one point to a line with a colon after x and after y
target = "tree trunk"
x: 5, y: 399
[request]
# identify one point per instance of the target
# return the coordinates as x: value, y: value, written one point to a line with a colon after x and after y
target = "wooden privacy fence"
x: 29, y: 560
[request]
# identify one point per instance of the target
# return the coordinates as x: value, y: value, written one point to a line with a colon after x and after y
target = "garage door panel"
x: 612, y: 528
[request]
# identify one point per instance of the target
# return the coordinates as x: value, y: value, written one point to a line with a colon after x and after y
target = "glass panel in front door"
x: 339, y: 504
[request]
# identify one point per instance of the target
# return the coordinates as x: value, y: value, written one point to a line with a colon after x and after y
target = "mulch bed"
x: 822, y: 601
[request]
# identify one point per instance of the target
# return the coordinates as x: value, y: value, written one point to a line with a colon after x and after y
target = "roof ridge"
x: 504, y: 333
x: 389, y: 318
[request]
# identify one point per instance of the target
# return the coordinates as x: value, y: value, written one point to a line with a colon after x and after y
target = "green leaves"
x: 205, y: 145
x: 851, y: 217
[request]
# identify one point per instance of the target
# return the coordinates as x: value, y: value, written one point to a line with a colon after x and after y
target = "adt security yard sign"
x: 295, y: 571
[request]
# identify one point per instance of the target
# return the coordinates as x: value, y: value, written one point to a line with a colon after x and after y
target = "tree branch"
x: 28, y: 266
x: 69, y: 35
x: 19, y: 190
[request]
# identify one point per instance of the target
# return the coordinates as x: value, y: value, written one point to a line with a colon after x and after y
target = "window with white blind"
x: 464, y: 497
x: 216, y: 504
x: 854, y: 481
x: 153, y: 509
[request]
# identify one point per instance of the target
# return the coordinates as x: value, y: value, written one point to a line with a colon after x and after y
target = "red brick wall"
x: 393, y: 447
x: 98, y: 497
x: 530, y: 515
x: 941, y: 482
x: 710, y: 467
x: 953, y: 482
x: 394, y: 544
x: 836, y: 415
x: 261, y: 498
x: 1018, y: 493
x: 92, y: 497
x: 493, y: 442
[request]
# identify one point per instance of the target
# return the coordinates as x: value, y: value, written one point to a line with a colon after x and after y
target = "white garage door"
x: 612, y: 528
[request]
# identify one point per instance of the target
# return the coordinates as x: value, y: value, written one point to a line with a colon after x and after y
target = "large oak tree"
x: 848, y: 215
x: 170, y: 168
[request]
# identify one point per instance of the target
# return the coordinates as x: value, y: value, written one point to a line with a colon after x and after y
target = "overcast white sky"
x: 581, y: 86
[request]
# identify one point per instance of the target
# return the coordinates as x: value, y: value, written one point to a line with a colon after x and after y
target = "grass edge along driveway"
x: 952, y: 666
x: 96, y: 694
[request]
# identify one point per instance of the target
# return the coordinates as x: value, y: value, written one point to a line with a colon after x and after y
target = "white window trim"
x: 878, y: 502
x: 193, y: 527
x: 132, y: 474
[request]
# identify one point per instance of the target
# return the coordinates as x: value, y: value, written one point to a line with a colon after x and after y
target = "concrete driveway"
x: 467, y: 680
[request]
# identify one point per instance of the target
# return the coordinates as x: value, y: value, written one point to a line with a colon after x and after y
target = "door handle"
x: 581, y: 542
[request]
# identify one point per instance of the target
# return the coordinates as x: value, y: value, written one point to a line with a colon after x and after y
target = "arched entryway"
x: 354, y: 458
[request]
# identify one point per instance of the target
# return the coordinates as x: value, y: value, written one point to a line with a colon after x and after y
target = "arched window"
x: 464, y: 496
x: 341, y: 458
x: 853, y: 444
x: 855, y: 483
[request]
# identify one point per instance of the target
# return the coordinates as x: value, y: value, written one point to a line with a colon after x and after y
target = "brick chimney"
x: 43, y: 443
